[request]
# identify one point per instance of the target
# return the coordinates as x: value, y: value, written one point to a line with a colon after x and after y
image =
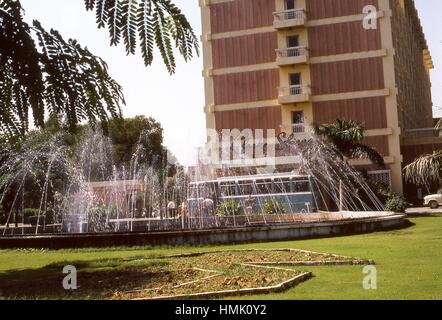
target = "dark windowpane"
x: 298, y: 117
x: 292, y: 41
x: 295, y: 79
x: 289, y: 4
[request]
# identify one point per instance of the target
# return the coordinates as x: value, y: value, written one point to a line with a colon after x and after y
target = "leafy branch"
x: 157, y: 22
x: 41, y: 72
x: 50, y: 74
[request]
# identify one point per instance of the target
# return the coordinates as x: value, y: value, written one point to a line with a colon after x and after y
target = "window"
x: 229, y: 189
x: 301, y: 186
x: 290, y: 4
x: 283, y: 186
x: 246, y: 188
x: 298, y: 121
x: 264, y: 187
x: 204, y: 191
x: 295, y: 84
x: 298, y: 117
x: 293, y: 46
x: 292, y: 41
x: 295, y: 79
x: 193, y: 193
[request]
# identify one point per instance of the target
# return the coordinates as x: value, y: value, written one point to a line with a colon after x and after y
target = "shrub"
x: 28, y: 212
x: 382, y: 191
x: 229, y: 208
x: 3, y: 218
x: 396, y: 203
x: 33, y: 220
x: 392, y: 201
x: 274, y: 207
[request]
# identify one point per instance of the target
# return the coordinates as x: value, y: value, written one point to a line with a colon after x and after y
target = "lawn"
x: 408, y: 261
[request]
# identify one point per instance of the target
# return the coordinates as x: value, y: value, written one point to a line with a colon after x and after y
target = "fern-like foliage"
x: 50, y: 75
x: 147, y: 23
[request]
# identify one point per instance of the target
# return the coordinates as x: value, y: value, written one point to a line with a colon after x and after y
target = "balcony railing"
x: 294, y: 94
x: 289, y: 18
x: 421, y: 133
x: 292, y: 52
x: 294, y: 90
x: 299, y: 129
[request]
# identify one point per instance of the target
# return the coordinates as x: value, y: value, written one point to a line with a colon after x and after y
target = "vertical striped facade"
x: 345, y: 70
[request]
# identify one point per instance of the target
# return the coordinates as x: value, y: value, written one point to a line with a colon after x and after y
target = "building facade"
x: 288, y: 64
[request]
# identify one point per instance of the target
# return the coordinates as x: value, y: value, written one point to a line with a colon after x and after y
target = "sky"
x: 177, y: 101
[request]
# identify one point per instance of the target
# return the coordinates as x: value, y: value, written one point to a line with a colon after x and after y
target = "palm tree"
x: 345, y: 138
x: 41, y: 72
x: 426, y: 169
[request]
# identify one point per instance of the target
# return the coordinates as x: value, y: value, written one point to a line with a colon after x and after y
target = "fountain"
x: 87, y: 193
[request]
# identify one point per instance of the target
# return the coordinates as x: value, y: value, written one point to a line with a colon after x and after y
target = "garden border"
x: 237, y: 292
x: 285, y: 285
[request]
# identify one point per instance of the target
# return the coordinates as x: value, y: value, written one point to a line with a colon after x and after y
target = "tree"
x: 129, y: 134
x: 41, y: 72
x: 26, y: 169
x: 427, y: 169
x: 346, y: 137
x: 43, y: 167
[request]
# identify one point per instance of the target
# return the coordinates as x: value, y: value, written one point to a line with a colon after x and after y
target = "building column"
x: 209, y: 88
x: 391, y: 100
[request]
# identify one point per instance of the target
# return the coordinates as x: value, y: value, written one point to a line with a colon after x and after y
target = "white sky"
x: 177, y: 101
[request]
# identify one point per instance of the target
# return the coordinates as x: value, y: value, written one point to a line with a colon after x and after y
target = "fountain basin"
x: 246, y: 234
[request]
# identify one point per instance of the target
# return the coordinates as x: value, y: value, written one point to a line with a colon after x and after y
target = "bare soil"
x: 145, y: 278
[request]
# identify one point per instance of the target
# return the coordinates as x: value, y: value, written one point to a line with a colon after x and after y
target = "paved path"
x: 423, y: 210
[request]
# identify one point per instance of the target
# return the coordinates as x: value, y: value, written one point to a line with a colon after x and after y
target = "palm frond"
x: 346, y: 137
x: 360, y: 151
x: 439, y: 124
x: 425, y: 170
x: 345, y: 131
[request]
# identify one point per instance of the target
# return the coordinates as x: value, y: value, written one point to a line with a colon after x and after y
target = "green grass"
x: 408, y: 261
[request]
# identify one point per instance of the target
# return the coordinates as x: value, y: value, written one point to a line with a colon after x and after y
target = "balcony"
x: 291, y: 56
x: 289, y: 18
x: 294, y: 94
x: 421, y: 133
x: 300, y: 131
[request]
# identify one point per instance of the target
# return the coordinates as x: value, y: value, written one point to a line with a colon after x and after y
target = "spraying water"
x: 86, y: 191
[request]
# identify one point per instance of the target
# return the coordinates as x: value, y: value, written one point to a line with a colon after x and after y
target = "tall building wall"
x: 347, y: 76
x: 322, y: 9
x: 244, y: 79
x: 340, y: 38
x: 346, y: 71
x: 228, y: 16
x: 244, y: 50
x: 371, y: 112
x: 247, y: 86
x: 412, y: 67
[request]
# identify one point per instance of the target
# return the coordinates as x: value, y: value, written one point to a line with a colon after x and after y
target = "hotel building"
x: 288, y: 64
